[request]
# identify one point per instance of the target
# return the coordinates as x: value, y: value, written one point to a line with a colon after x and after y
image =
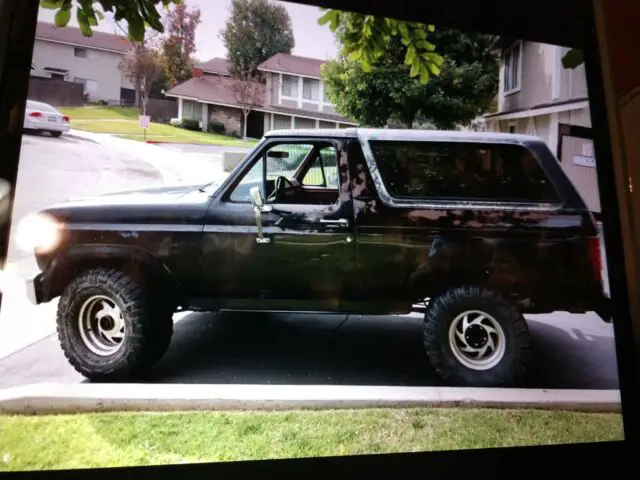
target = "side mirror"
x: 256, y: 197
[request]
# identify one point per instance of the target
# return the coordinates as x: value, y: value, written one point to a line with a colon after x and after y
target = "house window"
x: 80, y: 52
x: 289, y: 86
x: 311, y: 89
x: 512, y: 64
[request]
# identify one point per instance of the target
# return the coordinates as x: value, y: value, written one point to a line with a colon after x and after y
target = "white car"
x: 42, y: 117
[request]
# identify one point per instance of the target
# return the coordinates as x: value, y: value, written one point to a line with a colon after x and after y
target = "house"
x: 292, y: 96
x: 66, y: 54
x: 539, y: 96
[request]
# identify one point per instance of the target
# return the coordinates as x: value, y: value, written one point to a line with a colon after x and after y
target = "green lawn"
x: 123, y: 122
x: 99, y: 112
x: 129, y: 439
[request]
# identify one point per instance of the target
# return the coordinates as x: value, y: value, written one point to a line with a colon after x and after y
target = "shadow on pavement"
x: 567, y: 358
x: 323, y: 349
x: 296, y: 349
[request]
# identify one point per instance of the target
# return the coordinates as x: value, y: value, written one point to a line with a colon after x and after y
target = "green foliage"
x: 464, y: 88
x: 364, y: 38
x: 179, y: 44
x: 137, y: 13
x: 189, y: 124
x: 256, y: 31
x: 573, y: 59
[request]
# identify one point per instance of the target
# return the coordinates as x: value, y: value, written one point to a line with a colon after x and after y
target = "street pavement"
x: 571, y: 352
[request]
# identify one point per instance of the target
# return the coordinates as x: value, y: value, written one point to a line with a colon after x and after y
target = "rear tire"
x: 109, y: 328
x: 56, y: 134
x: 475, y: 338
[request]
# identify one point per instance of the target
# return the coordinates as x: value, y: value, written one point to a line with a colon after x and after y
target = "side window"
x: 473, y: 171
x: 251, y: 179
x: 283, y: 160
x: 324, y: 171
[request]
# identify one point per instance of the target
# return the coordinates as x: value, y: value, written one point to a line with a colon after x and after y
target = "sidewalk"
x: 46, y: 398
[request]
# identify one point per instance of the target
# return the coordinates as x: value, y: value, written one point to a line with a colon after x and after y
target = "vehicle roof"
x: 408, y: 135
x: 41, y: 105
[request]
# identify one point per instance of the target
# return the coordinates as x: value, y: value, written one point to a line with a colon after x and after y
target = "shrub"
x: 176, y: 122
x: 217, y: 127
x: 189, y: 124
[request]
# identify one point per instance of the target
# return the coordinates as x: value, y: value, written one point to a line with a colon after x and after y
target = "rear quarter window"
x: 461, y: 170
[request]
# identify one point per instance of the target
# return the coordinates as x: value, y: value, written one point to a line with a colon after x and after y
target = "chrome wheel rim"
x: 477, y: 340
x: 101, y: 325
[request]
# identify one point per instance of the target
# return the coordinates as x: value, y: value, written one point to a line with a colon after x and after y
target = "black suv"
x: 479, y: 228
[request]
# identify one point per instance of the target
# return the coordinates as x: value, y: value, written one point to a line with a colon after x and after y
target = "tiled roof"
x: 209, y: 89
x: 219, y: 90
x: 293, y: 64
x: 73, y: 36
x: 215, y: 65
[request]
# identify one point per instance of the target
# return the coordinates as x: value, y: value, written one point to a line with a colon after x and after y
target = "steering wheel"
x: 285, y: 187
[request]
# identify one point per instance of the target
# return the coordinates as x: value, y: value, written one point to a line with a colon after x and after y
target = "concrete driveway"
x: 572, y: 351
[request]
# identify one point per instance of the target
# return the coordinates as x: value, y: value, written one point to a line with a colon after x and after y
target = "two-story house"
x: 66, y: 54
x: 292, y: 96
x: 538, y: 96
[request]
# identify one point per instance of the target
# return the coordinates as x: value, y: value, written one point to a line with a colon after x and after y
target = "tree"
x: 142, y: 67
x: 248, y: 94
x: 178, y: 46
x: 365, y: 38
x: 256, y: 31
x: 137, y: 14
x: 464, y: 88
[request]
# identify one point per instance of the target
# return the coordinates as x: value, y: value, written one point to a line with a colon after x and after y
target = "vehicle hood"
x: 167, y: 203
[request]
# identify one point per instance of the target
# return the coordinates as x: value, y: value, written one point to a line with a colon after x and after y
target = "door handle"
x: 340, y: 221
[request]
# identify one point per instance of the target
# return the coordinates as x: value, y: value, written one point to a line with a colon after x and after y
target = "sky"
x: 312, y: 40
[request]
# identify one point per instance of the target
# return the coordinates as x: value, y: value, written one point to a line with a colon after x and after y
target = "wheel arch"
x: 144, y: 267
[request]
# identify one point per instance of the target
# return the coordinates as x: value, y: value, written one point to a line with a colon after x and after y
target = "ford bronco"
x: 479, y: 228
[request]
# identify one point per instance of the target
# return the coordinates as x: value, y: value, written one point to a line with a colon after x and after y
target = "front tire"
x: 109, y: 328
x: 475, y: 338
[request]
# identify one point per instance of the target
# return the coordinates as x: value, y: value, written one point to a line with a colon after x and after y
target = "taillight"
x: 595, y: 258
x: 35, y: 114
x: 66, y: 119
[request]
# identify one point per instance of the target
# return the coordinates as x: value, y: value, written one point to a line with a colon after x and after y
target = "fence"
x: 162, y: 110
x: 56, y: 92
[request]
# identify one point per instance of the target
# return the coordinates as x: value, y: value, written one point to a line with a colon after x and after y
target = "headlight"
x: 39, y: 232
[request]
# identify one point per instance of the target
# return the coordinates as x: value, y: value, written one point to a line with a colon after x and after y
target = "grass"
x: 131, y: 439
x: 123, y: 122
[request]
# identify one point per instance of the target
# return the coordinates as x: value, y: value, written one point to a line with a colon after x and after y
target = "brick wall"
x: 230, y: 117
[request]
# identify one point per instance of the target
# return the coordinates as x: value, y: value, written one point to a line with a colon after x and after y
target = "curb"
x: 47, y: 398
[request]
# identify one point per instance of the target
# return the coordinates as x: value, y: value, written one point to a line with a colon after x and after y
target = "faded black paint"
x: 384, y: 260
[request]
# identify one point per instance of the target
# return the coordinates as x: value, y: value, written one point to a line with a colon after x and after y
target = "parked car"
x: 42, y: 117
x: 479, y: 228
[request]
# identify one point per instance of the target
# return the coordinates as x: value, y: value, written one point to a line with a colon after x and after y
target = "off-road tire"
x: 148, y: 326
x: 439, y: 316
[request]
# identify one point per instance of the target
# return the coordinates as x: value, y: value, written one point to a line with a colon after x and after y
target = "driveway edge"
x: 47, y: 398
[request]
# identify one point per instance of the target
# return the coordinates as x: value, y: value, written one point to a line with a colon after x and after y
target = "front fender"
x: 141, y: 264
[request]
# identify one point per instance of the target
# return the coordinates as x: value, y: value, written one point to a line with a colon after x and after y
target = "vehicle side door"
x: 309, y: 251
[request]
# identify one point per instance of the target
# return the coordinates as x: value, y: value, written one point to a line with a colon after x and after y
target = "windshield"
x: 213, y: 186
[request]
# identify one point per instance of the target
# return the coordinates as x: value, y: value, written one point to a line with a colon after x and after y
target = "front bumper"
x: 35, y: 287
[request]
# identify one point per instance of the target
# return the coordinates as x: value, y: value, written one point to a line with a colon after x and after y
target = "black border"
x: 570, y: 23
